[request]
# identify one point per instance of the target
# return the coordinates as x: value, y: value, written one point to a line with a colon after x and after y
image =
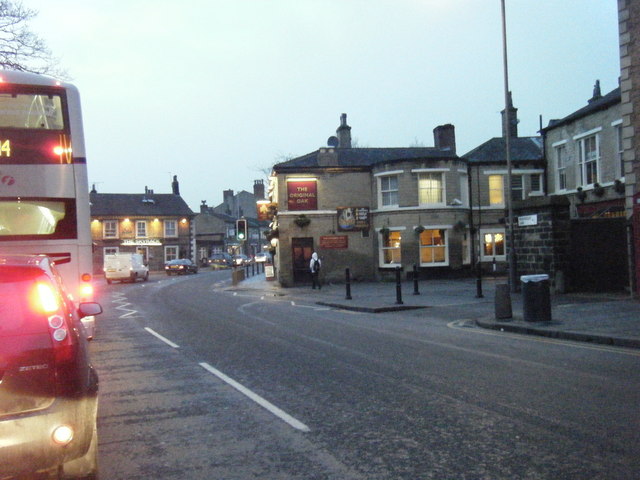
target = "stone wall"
x: 543, y: 246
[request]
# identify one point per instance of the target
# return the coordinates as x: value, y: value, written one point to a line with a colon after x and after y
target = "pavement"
x: 600, y: 318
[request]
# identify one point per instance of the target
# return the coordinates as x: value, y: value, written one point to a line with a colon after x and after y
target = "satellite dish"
x: 333, y: 142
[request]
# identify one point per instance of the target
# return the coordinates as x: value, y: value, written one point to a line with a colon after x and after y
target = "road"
x: 201, y: 382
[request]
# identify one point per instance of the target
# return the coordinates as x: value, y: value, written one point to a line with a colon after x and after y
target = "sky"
x: 217, y: 91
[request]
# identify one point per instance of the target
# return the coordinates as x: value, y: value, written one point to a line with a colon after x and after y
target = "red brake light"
x: 44, y: 298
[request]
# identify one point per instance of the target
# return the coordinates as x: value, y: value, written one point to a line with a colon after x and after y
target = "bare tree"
x: 20, y: 48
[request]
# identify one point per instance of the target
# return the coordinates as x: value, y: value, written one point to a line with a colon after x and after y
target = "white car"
x: 261, y: 257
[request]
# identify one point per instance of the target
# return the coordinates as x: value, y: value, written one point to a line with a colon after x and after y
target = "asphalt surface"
x: 601, y: 318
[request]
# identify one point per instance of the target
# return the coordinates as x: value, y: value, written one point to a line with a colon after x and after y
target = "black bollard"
x: 347, y: 283
x: 398, y: 287
x: 253, y: 268
x: 415, y: 280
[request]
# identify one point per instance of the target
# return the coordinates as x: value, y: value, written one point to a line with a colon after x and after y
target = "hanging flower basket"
x: 419, y: 229
x: 459, y: 226
x: 598, y: 189
x: 302, y: 221
x: 619, y: 187
x: 384, y: 231
x: 581, y: 194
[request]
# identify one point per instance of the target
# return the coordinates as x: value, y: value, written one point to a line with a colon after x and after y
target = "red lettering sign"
x: 302, y: 195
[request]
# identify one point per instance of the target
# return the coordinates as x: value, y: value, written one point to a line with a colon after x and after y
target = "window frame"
x: 491, y: 189
x: 143, y: 224
x: 561, y: 159
x: 493, y: 232
x: 166, y: 232
x: 440, y: 190
x: 116, y: 229
x: 381, y: 193
x: 425, y: 247
x: 382, y: 249
x: 588, y: 167
x: 170, y: 256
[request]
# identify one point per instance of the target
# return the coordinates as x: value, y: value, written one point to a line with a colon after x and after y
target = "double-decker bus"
x: 44, y: 192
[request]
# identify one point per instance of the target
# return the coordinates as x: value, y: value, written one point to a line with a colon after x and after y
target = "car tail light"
x: 46, y: 300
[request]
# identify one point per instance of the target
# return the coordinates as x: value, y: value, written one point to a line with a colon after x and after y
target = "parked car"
x: 125, y: 267
x: 240, y: 260
x: 180, y: 266
x: 220, y: 260
x: 48, y: 387
x: 261, y: 257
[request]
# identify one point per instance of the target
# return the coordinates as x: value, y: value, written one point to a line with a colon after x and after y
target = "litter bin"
x: 536, y: 300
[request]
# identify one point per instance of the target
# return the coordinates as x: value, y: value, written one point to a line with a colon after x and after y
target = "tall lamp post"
x: 511, y: 242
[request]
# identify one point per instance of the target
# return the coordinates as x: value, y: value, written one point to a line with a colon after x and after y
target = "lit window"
x: 496, y: 190
x: 433, y: 247
x: 493, y: 245
x: 430, y: 188
x: 390, y: 249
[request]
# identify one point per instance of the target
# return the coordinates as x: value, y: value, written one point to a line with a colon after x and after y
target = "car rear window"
x: 17, y: 315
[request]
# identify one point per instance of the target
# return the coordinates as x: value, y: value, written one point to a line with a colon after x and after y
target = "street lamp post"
x: 507, y: 135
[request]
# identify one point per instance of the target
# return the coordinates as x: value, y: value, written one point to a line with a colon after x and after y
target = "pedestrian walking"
x: 314, y: 266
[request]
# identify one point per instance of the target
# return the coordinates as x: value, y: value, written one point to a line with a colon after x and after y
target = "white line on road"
x: 282, y: 415
x: 165, y: 340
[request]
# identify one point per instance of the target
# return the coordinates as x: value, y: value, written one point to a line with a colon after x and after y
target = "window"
x: 496, y: 190
x: 170, y: 253
x: 390, y: 249
x: 141, y: 229
x: 493, y: 245
x: 536, y: 184
x: 589, y: 151
x: 389, y: 190
x: 433, y: 247
x: 430, y: 188
x: 619, y: 149
x: 170, y: 228
x: 517, y: 187
x: 110, y: 229
x: 23, y: 218
x: 110, y: 250
x: 561, y: 167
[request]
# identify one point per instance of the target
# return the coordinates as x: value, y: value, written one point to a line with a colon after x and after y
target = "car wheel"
x: 86, y: 467
x: 146, y: 276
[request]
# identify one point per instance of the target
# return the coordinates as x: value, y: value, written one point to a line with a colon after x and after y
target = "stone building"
x: 372, y: 210
x: 489, y: 187
x: 629, y: 28
x: 159, y: 226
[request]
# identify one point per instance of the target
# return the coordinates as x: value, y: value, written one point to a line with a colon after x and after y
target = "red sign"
x: 334, y: 242
x: 302, y: 195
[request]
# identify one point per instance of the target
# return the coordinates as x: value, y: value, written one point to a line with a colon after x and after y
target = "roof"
x: 367, y: 157
x: 523, y: 149
x: 602, y: 103
x: 138, y: 204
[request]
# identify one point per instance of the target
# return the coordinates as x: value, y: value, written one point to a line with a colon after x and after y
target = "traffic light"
x: 241, y: 229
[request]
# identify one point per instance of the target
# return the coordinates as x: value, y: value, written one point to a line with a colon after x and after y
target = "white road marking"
x: 282, y: 415
x: 164, y: 339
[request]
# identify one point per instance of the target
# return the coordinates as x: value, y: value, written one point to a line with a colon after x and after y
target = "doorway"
x: 301, y: 250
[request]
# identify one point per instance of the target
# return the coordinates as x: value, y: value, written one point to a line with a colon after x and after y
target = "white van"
x: 125, y: 267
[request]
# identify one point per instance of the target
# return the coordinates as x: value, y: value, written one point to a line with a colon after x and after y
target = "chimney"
x: 512, y: 128
x: 327, y: 157
x: 258, y: 189
x: 444, y: 137
x: 344, y: 133
x: 175, y: 186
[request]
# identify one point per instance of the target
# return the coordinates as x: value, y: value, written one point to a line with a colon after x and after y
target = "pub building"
x: 158, y: 226
x: 371, y: 209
